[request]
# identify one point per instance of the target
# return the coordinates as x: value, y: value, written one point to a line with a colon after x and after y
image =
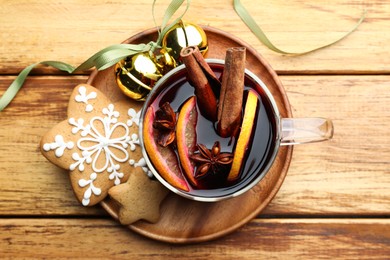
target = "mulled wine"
x: 176, y: 90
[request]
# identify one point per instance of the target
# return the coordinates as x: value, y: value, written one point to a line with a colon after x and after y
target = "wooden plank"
x: 275, y: 238
x: 72, y: 31
x: 350, y: 172
x: 345, y: 176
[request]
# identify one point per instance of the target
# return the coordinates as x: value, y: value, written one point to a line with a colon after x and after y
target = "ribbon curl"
x: 258, y: 32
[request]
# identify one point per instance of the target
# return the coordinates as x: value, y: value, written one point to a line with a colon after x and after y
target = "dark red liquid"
x: 177, y: 90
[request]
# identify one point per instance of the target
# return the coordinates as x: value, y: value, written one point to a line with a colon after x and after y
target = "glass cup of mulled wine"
x: 186, y: 153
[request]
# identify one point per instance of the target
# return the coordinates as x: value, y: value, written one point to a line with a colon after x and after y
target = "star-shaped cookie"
x: 98, y: 143
x: 139, y: 198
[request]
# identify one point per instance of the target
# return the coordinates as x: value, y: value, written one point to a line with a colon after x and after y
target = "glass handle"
x: 305, y: 130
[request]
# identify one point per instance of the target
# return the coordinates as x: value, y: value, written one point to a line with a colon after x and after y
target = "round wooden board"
x: 186, y: 221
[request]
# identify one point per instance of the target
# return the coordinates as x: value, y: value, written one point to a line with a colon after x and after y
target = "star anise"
x: 165, y: 122
x: 210, y: 161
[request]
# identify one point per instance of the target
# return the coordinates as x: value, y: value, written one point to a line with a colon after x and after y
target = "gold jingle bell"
x: 185, y: 34
x: 136, y: 75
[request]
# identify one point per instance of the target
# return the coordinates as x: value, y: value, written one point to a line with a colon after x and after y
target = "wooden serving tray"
x: 186, y: 221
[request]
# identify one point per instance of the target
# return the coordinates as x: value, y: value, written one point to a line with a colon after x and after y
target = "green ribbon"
x: 258, y: 32
x: 101, y: 60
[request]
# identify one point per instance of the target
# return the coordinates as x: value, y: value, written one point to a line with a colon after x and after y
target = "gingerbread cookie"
x: 139, y: 198
x: 98, y: 143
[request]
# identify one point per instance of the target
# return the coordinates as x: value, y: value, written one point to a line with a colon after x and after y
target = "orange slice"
x: 245, y: 135
x: 164, y: 159
x: 186, y: 137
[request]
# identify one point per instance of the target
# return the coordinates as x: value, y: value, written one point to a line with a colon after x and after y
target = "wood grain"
x: 262, y: 238
x: 355, y: 162
x: 71, y: 31
x: 334, y: 202
x: 345, y: 176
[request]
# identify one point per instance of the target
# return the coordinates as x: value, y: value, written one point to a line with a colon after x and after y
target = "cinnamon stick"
x: 203, y: 79
x: 232, y: 90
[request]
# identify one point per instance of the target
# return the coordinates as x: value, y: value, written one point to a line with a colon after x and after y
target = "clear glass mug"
x: 288, y: 131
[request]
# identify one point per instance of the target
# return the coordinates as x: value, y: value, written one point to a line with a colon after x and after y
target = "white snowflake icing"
x: 134, y: 117
x: 97, y: 142
x: 59, y: 145
x: 142, y: 163
x: 82, y: 97
x: 133, y: 142
x: 79, y: 126
x: 92, y: 189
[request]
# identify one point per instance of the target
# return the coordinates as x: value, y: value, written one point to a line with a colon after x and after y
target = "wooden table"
x: 335, y: 200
